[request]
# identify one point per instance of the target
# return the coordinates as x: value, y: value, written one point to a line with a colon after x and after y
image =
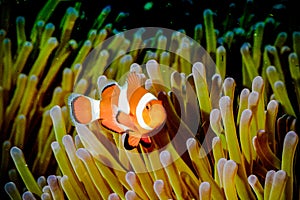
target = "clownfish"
x: 128, y: 109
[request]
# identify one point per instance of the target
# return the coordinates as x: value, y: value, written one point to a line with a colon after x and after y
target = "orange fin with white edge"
x: 134, y: 81
x: 103, y: 84
x: 131, y: 141
x: 83, y: 109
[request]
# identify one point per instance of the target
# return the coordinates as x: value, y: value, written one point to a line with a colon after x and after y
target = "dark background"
x: 178, y: 14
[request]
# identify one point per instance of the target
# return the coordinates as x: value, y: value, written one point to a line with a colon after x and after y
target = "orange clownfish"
x: 129, y: 109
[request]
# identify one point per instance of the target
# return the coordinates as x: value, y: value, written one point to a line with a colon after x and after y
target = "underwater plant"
x: 232, y: 111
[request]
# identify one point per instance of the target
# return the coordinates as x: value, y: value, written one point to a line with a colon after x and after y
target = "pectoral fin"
x: 125, y: 119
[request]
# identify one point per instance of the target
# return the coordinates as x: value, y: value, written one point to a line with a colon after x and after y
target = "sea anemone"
x: 232, y: 108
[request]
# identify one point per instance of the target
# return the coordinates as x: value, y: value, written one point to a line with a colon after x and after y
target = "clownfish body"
x: 129, y: 109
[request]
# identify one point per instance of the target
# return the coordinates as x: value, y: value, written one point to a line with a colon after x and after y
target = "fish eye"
x: 148, y: 106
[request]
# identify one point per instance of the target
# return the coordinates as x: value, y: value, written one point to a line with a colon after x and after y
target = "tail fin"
x: 83, y: 109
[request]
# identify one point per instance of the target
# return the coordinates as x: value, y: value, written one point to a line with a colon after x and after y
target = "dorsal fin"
x: 103, y: 83
x: 134, y: 81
